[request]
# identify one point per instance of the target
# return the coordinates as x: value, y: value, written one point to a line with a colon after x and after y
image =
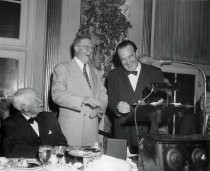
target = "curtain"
x: 52, y: 49
x: 147, y: 25
x: 181, y: 30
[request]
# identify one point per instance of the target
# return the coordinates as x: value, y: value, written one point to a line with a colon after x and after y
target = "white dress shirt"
x: 34, y: 125
x: 81, y: 65
x: 134, y: 78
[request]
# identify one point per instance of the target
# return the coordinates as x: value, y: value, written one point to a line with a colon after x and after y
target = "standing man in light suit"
x: 78, y: 89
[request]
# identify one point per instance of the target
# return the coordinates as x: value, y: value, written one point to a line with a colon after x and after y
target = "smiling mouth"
x: 41, y: 106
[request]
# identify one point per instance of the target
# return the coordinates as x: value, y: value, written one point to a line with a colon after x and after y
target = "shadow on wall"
x: 52, y: 106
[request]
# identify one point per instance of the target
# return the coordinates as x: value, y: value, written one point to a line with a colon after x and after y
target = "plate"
x: 80, y: 151
x: 4, y: 160
x: 31, y: 166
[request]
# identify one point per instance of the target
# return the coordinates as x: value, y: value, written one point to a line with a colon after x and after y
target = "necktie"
x: 86, y: 75
x: 31, y: 120
x: 131, y: 72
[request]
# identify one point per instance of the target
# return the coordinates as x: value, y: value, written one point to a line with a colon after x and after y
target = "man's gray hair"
x: 19, y: 98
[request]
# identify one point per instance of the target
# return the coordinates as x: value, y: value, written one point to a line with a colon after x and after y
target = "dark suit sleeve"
x: 60, y: 138
x: 113, y: 92
x: 157, y: 75
x: 12, y: 145
x: 153, y: 74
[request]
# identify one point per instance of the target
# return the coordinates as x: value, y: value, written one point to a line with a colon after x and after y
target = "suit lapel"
x: 27, y: 132
x: 93, y: 81
x: 78, y: 75
x: 127, y: 82
x: 42, y: 126
x: 140, y: 82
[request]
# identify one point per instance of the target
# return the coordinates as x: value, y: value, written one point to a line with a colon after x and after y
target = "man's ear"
x: 76, y: 49
x: 24, y: 107
x: 137, y: 54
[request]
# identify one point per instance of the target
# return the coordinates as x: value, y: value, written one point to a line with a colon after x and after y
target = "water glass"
x: 59, y: 151
x: 86, y: 160
x: 98, y: 151
x: 45, y: 154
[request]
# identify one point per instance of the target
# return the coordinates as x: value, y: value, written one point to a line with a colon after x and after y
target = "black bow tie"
x: 131, y: 72
x: 31, y: 120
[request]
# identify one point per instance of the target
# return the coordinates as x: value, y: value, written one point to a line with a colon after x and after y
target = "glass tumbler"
x: 45, y: 154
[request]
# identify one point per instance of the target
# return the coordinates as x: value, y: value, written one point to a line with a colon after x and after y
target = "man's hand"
x: 123, y: 107
x: 96, y: 112
x: 91, y: 102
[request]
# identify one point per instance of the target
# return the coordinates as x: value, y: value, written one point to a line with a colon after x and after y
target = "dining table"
x: 104, y: 163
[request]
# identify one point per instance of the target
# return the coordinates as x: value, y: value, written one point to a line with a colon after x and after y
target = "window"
x: 12, y: 64
x: 13, y: 21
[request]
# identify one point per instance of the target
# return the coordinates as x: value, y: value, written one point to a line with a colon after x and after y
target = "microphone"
x: 165, y: 62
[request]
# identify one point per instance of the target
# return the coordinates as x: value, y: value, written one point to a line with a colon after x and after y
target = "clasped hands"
x: 123, y: 108
x: 95, y: 105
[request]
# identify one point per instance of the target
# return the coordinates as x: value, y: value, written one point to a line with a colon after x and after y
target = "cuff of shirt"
x: 118, y: 115
x: 100, y: 114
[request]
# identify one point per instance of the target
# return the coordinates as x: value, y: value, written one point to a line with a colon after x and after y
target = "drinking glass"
x: 60, y: 153
x: 45, y: 154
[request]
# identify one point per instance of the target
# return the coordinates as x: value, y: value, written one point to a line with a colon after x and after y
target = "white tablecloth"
x: 105, y: 163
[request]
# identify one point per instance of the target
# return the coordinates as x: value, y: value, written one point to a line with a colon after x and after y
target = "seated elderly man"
x: 23, y: 132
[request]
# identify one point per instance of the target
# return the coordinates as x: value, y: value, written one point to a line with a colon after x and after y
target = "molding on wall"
x: 30, y: 43
x: 39, y: 45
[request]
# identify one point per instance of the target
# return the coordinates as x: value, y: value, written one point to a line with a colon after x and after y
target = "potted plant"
x: 107, y: 23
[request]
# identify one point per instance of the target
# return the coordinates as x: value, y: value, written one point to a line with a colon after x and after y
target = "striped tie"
x: 86, y: 75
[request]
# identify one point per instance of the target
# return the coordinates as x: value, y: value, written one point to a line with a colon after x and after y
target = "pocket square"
x: 50, y: 132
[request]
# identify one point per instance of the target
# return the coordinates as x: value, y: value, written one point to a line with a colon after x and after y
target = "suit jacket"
x: 120, y: 89
x: 20, y: 139
x: 69, y: 87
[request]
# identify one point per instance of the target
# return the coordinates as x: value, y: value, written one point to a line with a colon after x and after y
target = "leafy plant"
x: 104, y: 21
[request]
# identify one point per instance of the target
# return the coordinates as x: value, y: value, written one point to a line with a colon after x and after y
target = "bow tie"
x: 131, y: 72
x: 31, y: 120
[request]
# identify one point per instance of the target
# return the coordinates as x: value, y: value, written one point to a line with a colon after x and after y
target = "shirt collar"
x: 138, y: 68
x: 81, y: 65
x: 27, y: 117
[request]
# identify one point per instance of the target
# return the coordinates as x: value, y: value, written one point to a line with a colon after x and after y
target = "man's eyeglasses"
x: 86, y: 47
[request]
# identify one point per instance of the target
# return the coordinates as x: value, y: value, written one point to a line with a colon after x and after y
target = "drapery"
x: 52, y: 49
x: 181, y: 30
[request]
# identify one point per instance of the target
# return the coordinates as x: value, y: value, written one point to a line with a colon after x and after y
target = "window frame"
x: 21, y: 41
x: 20, y: 56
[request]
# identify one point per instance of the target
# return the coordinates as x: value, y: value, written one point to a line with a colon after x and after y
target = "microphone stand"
x: 140, y: 140
x: 162, y: 62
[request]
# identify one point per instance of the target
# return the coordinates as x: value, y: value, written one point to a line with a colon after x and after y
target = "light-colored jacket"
x: 69, y: 86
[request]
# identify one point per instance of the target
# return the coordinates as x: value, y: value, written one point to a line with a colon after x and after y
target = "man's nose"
x: 40, y: 101
x: 127, y: 61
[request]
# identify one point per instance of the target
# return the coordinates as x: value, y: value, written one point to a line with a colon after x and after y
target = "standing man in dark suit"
x: 23, y: 132
x: 125, y: 87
